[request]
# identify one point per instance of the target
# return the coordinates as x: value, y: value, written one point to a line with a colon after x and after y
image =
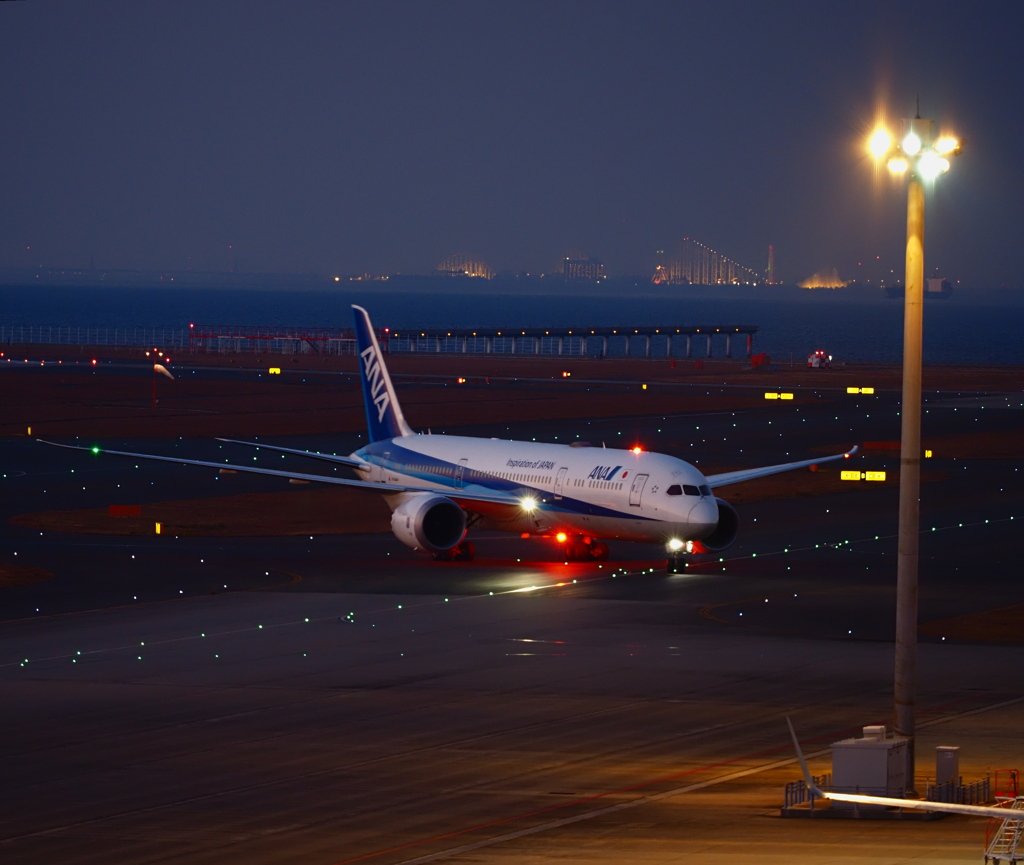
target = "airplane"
x: 440, y: 486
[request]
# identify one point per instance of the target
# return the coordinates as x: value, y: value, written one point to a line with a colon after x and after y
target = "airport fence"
x: 163, y: 338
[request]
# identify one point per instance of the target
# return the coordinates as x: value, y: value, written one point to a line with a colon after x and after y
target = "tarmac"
x: 334, y: 698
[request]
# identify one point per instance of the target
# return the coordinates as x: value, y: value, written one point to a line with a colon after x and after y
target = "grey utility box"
x: 947, y: 764
x: 875, y: 765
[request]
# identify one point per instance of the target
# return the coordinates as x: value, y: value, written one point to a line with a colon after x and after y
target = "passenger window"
x: 674, y: 490
x: 704, y: 491
x: 691, y: 490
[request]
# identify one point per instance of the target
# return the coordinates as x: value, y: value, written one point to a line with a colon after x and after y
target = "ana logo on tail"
x: 375, y: 381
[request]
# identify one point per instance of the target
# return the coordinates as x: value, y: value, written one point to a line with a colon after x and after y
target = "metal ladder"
x: 1003, y: 844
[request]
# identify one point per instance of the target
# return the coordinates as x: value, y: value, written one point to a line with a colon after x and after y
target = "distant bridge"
x: 691, y: 262
x: 639, y: 341
x: 646, y: 341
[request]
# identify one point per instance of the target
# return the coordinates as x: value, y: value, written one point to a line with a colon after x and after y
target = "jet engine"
x: 429, y: 522
x: 726, y: 530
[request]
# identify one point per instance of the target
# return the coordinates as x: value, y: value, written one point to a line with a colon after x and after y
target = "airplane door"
x: 559, y: 478
x: 637, y: 490
x: 460, y: 473
x: 380, y: 470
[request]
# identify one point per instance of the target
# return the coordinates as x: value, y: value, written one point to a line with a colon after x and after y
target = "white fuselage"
x: 596, y: 492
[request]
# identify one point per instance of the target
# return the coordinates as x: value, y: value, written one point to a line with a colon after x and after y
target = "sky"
x: 381, y: 137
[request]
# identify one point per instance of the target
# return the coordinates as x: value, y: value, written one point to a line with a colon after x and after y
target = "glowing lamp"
x: 947, y: 144
x: 675, y: 544
x: 912, y: 144
x: 880, y: 143
x: 931, y: 165
x: 561, y: 537
x: 898, y: 165
x: 528, y: 504
x: 637, y: 449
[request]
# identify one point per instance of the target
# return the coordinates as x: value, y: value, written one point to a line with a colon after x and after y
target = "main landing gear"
x: 463, y: 552
x: 586, y: 550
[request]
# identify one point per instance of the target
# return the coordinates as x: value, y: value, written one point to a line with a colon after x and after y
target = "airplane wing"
x: 332, y: 458
x: 460, y: 496
x: 911, y: 804
x: 725, y: 478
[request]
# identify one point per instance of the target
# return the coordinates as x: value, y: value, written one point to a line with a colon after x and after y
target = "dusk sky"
x: 342, y: 137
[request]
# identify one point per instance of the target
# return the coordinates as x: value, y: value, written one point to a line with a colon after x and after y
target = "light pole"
x: 922, y: 159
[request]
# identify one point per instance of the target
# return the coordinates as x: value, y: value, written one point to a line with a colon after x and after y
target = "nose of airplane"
x: 703, y: 517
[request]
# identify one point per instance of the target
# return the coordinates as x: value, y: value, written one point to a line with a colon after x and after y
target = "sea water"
x: 866, y: 329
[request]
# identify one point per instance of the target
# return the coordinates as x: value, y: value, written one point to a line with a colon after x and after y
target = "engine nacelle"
x: 726, y: 530
x: 429, y: 522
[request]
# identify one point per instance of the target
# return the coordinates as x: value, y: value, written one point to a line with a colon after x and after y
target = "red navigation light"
x: 190, y: 324
x: 637, y: 449
x: 846, y: 456
x: 94, y: 361
x: 561, y: 537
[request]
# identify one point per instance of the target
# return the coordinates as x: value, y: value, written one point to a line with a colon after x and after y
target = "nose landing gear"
x: 679, y: 553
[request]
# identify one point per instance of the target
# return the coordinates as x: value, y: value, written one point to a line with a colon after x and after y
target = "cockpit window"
x: 674, y: 490
x: 704, y: 491
x: 691, y: 490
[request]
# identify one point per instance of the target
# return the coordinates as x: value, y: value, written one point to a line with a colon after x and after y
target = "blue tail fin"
x: 384, y: 418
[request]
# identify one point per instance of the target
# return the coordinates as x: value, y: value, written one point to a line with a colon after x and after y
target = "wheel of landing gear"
x: 577, y: 552
x: 445, y: 555
x: 599, y: 551
x: 465, y: 551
